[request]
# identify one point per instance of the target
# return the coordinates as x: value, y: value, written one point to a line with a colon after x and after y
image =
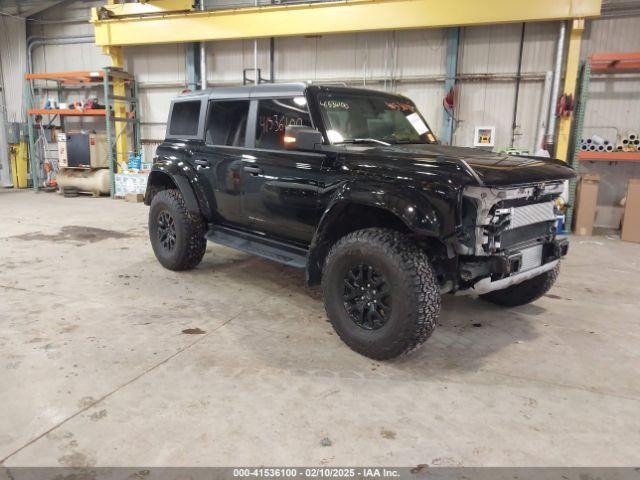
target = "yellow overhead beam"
x: 330, y: 17
x: 112, y: 9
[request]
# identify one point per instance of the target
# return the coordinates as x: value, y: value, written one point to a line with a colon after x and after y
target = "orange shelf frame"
x: 609, y: 156
x: 615, y: 62
x: 79, y: 76
x: 68, y: 112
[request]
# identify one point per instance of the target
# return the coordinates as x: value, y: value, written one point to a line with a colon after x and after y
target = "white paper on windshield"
x: 417, y: 123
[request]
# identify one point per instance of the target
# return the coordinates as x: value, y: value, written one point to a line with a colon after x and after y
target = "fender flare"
x: 185, y: 180
x: 413, y: 208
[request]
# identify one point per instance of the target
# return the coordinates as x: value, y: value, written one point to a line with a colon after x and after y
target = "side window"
x: 185, y: 117
x: 227, y: 122
x: 274, y: 115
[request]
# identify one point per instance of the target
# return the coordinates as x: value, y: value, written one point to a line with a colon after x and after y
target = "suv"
x: 352, y: 186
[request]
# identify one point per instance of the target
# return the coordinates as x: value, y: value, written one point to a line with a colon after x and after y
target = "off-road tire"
x: 415, y: 293
x: 190, y: 243
x: 525, y: 292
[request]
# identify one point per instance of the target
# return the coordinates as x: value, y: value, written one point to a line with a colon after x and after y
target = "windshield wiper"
x: 404, y: 141
x: 364, y: 140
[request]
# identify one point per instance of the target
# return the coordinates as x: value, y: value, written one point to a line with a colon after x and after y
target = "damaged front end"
x: 510, y: 236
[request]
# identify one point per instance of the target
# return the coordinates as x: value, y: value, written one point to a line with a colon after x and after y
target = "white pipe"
x: 543, y: 111
x: 256, y: 75
x: 555, y: 91
x: 34, y: 42
x: 203, y: 65
x: 203, y: 58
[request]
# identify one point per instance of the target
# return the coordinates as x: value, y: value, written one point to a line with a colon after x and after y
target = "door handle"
x: 252, y: 170
x: 203, y: 163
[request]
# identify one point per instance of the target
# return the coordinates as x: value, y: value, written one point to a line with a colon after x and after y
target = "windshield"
x: 364, y: 117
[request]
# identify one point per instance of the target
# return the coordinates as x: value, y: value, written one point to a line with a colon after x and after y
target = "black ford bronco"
x: 352, y: 186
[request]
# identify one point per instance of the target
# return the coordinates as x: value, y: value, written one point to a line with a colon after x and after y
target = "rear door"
x: 280, y: 187
x: 219, y: 160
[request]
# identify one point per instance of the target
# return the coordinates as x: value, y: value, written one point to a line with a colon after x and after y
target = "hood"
x: 471, y: 165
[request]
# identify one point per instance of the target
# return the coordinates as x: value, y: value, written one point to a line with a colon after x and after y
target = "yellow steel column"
x: 119, y: 107
x: 570, y: 80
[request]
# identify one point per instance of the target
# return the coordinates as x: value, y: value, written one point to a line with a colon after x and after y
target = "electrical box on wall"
x: 484, y: 136
x: 82, y: 150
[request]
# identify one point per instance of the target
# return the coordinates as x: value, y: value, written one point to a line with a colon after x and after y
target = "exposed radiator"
x: 530, y: 214
x: 531, y: 258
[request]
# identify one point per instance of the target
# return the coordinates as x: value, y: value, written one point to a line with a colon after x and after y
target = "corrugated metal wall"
x: 409, y: 62
x: 12, y: 56
x: 609, y: 97
x: 613, y: 109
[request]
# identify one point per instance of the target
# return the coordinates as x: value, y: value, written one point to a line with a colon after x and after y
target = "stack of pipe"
x: 596, y: 143
x: 629, y: 143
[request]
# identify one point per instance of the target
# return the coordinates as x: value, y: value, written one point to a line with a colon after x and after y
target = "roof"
x: 250, y: 91
x: 267, y: 90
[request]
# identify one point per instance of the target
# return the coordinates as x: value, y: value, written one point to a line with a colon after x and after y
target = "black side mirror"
x: 299, y: 137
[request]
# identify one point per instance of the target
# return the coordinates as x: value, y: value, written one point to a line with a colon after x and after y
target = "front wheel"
x: 525, y: 292
x: 380, y: 293
x: 177, y: 235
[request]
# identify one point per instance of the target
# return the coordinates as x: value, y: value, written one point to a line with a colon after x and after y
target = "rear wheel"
x: 380, y: 292
x: 177, y: 235
x: 525, y: 292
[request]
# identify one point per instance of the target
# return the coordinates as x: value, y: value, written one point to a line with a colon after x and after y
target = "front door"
x: 280, y: 187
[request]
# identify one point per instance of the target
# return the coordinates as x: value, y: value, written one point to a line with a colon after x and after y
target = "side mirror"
x: 299, y: 137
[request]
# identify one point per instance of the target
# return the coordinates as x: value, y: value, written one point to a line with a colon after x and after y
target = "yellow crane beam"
x: 323, y: 18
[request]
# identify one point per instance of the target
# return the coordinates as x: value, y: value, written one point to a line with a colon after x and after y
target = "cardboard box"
x: 134, y: 197
x: 631, y: 218
x: 586, y: 201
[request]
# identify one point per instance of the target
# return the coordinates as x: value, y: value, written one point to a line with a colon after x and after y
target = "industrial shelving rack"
x: 106, y: 78
x: 606, y: 63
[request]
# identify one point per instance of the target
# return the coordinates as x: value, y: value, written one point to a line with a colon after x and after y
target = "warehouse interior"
x: 108, y: 359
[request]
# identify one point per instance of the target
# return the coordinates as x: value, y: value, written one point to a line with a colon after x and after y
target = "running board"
x: 247, y: 242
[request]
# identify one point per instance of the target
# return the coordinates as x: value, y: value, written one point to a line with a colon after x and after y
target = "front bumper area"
x: 486, y: 285
x: 502, y: 271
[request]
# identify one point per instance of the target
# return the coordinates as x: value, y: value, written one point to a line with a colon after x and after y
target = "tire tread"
x: 194, y: 226
x: 420, y: 279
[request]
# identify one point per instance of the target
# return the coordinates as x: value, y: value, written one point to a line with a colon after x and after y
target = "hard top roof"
x: 249, y: 91
x: 266, y: 90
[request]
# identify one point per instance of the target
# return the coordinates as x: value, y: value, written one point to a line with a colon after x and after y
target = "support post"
x: 119, y: 106
x: 107, y: 120
x: 34, y: 155
x: 570, y: 80
x: 193, y: 78
x: 453, y: 39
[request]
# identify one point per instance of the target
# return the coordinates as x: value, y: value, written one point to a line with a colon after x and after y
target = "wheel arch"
x: 355, y: 208
x: 166, y: 176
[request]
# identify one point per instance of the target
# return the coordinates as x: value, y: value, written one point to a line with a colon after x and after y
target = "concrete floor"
x: 95, y: 369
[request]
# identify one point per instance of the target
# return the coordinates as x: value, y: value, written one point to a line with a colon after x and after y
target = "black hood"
x: 474, y: 164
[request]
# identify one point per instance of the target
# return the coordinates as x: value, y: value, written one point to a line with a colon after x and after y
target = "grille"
x: 530, y: 214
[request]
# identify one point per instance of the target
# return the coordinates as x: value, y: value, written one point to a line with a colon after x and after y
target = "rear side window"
x: 227, y: 122
x: 275, y: 115
x: 184, y: 118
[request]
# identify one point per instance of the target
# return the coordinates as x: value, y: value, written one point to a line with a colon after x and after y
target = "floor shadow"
x: 469, y: 331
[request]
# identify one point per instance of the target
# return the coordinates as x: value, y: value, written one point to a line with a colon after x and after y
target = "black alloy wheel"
x: 166, y: 231
x: 367, y: 297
